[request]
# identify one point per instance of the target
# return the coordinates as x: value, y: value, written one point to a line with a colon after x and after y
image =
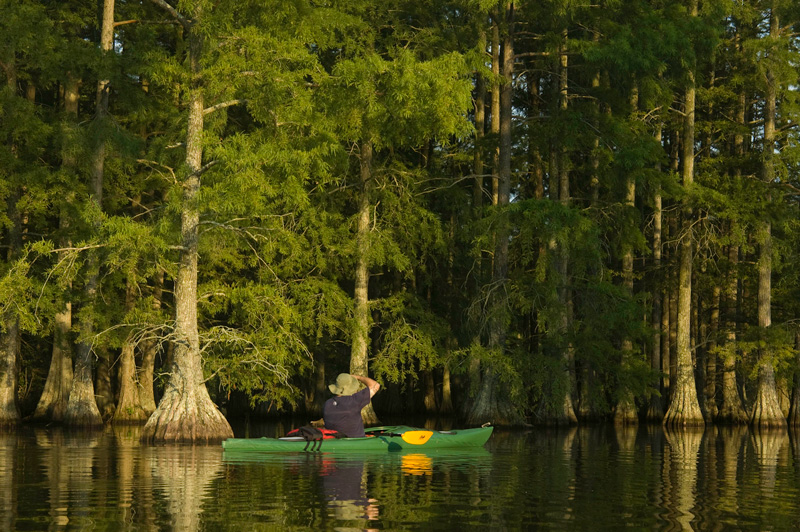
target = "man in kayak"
x: 342, y: 412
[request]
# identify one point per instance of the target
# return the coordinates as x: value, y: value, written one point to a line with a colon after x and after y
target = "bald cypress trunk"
x: 625, y: 411
x: 493, y: 403
x: 361, y: 323
x: 149, y: 348
x: 186, y: 412
x: 129, y: 405
x: 53, y: 402
x: 9, y: 335
x: 766, y: 408
x: 10, y: 339
x: 794, y: 409
x: 684, y: 408
x: 82, y: 409
x: 655, y: 410
x: 561, y: 410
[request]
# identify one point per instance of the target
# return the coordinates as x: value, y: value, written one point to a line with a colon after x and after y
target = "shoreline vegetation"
x: 504, y: 212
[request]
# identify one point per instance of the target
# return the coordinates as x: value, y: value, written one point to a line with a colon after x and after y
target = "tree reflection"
x: 8, y: 492
x: 733, y: 441
x: 67, y: 458
x: 184, y: 474
x: 767, y: 444
x: 679, y: 480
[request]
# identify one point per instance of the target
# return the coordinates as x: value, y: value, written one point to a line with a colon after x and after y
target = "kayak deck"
x: 378, y: 439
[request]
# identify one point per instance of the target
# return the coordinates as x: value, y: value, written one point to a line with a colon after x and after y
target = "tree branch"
x: 137, y: 21
x: 186, y: 23
x: 203, y: 170
x: 222, y: 105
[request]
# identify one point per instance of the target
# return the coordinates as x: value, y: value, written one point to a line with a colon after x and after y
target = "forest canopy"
x: 509, y: 212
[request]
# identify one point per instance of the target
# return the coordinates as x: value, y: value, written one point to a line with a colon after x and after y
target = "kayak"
x: 394, y: 438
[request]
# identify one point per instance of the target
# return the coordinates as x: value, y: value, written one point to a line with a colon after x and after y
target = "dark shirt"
x: 343, y: 413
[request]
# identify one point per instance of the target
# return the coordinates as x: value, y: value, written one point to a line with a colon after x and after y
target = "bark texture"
x: 52, y: 403
x: 766, y: 409
x: 794, y: 410
x: 186, y: 412
x: 684, y: 408
x: 361, y: 327
x: 625, y: 411
x: 655, y: 408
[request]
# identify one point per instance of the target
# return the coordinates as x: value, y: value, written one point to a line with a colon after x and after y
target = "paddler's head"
x: 345, y: 384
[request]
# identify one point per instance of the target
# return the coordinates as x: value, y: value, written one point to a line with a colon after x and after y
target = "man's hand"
x: 369, y: 383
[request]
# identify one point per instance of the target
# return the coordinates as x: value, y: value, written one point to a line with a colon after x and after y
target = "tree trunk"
x: 474, y: 368
x: 766, y: 409
x: 429, y: 395
x: 655, y: 410
x: 447, y: 394
x: 625, y: 412
x: 492, y: 403
x: 9, y: 371
x: 794, y: 410
x: 495, y: 100
x: 186, y: 412
x: 731, y: 409
x: 361, y: 324
x: 564, y: 411
x: 149, y: 349
x: 586, y: 408
x: 129, y: 405
x: 477, y: 158
x: 82, y: 410
x: 684, y: 407
x: 53, y: 402
x: 9, y: 336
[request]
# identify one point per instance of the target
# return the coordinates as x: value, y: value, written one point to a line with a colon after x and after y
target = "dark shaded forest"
x: 548, y: 212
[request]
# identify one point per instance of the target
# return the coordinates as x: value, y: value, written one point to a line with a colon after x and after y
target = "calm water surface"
x: 589, y: 478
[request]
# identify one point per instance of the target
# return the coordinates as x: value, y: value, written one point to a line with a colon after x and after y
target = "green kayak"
x: 395, y: 438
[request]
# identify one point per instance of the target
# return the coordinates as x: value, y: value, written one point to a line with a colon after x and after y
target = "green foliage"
x: 298, y: 87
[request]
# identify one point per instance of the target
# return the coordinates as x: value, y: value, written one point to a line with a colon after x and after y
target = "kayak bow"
x: 384, y: 439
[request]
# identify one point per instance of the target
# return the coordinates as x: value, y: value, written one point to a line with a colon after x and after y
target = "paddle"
x: 416, y: 437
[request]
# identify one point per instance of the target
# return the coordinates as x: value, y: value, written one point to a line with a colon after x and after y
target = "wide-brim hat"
x: 345, y: 384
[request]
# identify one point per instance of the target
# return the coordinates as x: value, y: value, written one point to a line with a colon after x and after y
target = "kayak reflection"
x: 360, y: 491
x: 416, y: 464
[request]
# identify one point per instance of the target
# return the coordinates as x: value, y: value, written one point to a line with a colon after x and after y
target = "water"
x: 588, y: 478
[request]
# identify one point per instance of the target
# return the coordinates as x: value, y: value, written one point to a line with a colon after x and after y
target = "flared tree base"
x: 9, y: 416
x: 684, y: 411
x: 767, y: 412
x: 82, y: 411
x: 130, y: 415
x: 731, y: 414
x: 625, y: 413
x: 492, y: 407
x: 369, y: 417
x: 188, y: 417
